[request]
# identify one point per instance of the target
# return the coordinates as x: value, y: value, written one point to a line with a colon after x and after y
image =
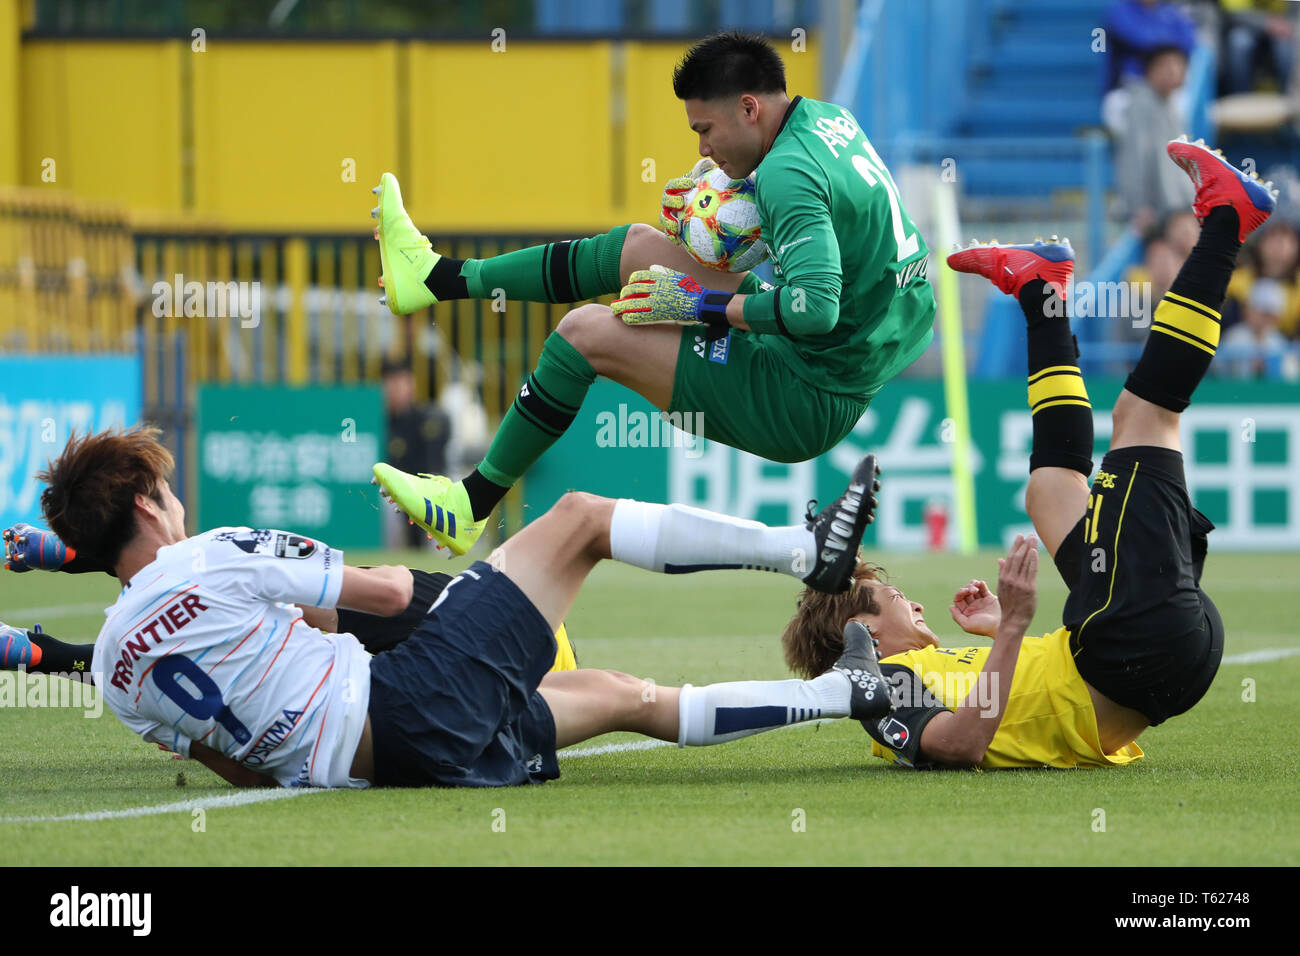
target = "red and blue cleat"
x: 1219, y: 183
x: 17, y: 649
x: 1010, y: 267
x: 28, y: 547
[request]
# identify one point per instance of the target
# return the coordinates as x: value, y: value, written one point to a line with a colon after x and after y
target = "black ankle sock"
x: 1185, y: 329
x: 445, y: 281
x: 58, y: 657
x: 1205, y: 275
x: 1058, y: 400
x: 484, y: 495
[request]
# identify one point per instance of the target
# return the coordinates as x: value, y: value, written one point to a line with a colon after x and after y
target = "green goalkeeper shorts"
x: 750, y: 399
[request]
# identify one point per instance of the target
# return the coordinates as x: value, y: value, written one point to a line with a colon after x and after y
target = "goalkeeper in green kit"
x: 783, y: 372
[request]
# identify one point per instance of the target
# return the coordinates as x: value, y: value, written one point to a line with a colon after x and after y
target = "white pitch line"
x: 615, y: 748
x: 24, y: 614
x: 203, y: 803
x: 1261, y: 656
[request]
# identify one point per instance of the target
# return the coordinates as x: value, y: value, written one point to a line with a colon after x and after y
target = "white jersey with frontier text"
x: 204, y: 644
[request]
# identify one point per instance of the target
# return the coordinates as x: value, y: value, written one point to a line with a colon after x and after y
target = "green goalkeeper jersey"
x: 852, y: 306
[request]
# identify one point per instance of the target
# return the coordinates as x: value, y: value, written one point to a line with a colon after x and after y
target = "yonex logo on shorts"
x: 718, y: 353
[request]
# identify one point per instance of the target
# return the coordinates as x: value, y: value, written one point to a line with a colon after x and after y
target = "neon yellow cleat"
x: 405, y: 254
x: 437, y: 504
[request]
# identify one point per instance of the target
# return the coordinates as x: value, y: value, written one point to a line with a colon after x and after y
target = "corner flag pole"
x: 954, y: 371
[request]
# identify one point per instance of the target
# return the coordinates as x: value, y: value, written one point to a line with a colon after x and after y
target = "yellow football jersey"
x: 1049, y: 719
x: 565, y: 658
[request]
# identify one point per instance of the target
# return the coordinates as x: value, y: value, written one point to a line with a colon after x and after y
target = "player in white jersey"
x: 172, y: 672
x: 206, y: 654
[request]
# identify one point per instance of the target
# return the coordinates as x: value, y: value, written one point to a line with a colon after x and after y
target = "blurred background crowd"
x: 1254, y: 43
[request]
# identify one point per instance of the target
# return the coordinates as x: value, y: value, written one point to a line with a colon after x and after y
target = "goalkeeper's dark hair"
x: 729, y: 64
x: 814, y: 638
x: 90, y: 499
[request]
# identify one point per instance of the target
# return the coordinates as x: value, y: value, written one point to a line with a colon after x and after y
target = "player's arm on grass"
x: 227, y: 769
x: 794, y: 205
x: 961, y: 737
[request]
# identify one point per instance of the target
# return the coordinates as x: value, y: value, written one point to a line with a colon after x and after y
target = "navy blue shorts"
x: 456, y: 703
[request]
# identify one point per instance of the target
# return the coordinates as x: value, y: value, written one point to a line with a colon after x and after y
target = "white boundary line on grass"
x: 202, y: 803
x: 614, y: 748
x: 54, y: 611
x: 1261, y: 656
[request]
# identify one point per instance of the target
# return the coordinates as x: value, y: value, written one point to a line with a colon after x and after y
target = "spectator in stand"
x: 1275, y: 257
x: 1150, y: 186
x: 1258, y: 36
x: 417, y: 441
x: 1181, y: 231
x: 1254, y: 347
x: 1135, y: 28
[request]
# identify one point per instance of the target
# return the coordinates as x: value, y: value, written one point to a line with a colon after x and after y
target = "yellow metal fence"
x: 200, y: 304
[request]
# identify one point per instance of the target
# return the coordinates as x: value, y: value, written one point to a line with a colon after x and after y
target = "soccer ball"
x: 720, y: 227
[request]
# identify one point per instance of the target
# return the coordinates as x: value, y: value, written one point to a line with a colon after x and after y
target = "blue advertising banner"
x: 43, y: 399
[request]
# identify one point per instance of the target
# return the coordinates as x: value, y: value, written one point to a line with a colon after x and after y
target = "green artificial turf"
x: 1217, y: 786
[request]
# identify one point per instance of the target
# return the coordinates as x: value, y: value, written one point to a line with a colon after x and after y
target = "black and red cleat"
x: 1219, y: 183
x: 1010, y: 267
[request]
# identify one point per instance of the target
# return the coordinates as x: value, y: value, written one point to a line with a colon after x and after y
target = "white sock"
x: 721, y: 712
x: 675, y: 539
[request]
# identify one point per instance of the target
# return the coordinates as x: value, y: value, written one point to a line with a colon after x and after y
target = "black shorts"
x: 378, y: 634
x: 1142, y: 631
x: 456, y: 704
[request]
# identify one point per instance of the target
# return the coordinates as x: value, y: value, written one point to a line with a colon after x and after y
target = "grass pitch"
x: 1217, y: 786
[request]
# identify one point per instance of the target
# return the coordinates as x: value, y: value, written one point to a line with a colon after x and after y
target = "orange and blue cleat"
x: 1010, y: 267
x: 28, y: 547
x: 17, y: 649
x: 1219, y: 183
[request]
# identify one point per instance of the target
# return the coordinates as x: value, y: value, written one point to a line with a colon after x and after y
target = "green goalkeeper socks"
x: 569, y: 271
x: 546, y: 405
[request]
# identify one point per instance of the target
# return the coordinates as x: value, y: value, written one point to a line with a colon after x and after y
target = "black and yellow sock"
x: 1185, y: 329
x: 58, y: 657
x: 546, y: 405
x: 1058, y: 399
x: 568, y: 271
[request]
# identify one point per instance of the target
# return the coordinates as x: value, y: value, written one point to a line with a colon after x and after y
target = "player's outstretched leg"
x: 39, y: 653
x: 587, y: 703
x: 415, y: 277
x: 454, y: 513
x: 550, y: 558
x: 1038, y: 275
x: 1185, y: 329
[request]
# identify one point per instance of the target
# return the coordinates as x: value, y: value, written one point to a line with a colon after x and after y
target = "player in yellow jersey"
x: 1140, y: 641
